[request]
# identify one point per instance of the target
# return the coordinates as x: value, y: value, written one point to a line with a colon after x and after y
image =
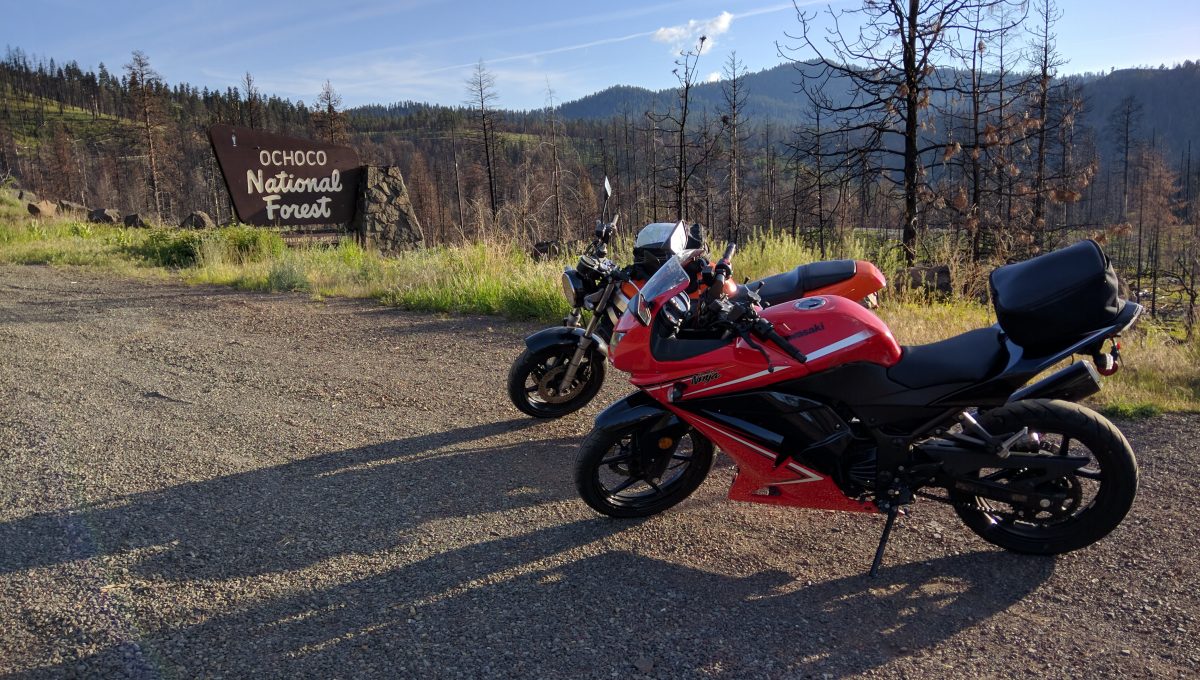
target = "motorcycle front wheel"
x: 535, y: 381
x: 613, y: 478
x: 1092, y: 500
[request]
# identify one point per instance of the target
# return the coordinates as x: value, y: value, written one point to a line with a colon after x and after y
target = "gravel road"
x: 198, y: 482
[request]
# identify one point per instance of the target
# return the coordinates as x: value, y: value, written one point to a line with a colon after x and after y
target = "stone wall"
x: 384, y: 217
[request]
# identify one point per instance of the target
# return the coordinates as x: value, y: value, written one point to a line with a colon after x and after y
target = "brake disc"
x: 551, y: 380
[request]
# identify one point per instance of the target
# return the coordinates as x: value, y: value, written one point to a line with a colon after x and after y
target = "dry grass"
x: 1160, y: 373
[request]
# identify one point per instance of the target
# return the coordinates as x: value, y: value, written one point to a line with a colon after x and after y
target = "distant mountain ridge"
x: 1170, y: 99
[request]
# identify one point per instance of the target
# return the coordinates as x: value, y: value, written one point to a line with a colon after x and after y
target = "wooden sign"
x: 283, y: 181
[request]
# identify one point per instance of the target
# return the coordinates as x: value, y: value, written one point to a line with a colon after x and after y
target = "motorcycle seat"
x: 798, y: 282
x: 970, y: 357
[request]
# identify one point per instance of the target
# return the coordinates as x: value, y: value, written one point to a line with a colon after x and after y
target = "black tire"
x: 531, y: 366
x: 599, y: 457
x: 1099, y: 494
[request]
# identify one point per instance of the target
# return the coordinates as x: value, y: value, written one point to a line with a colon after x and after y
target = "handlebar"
x: 729, y: 250
x: 722, y: 270
x: 766, y: 330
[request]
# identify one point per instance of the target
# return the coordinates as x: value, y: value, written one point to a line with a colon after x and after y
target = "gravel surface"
x: 197, y: 482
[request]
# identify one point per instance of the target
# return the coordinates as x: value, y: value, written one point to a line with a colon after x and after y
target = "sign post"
x: 276, y: 180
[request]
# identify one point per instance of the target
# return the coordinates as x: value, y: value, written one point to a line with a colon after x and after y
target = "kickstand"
x: 887, y: 532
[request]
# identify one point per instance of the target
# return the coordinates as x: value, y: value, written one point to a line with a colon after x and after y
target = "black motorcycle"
x: 562, y: 367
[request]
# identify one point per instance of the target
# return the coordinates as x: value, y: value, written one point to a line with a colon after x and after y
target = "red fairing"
x: 830, y: 330
x: 759, y: 480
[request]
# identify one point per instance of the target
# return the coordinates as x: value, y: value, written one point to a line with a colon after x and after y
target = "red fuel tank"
x: 830, y: 330
x: 833, y: 330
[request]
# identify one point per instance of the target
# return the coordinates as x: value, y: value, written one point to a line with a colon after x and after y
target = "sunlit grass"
x: 1159, y: 372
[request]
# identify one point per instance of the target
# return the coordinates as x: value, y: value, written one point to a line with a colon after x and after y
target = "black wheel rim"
x: 621, y: 479
x: 554, y: 365
x: 1075, y: 493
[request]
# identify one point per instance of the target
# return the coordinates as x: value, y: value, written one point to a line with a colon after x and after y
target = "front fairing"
x: 631, y: 335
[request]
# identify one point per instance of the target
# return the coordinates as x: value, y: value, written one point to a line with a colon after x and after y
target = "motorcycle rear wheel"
x: 1096, y: 497
x: 533, y: 389
x: 608, y: 478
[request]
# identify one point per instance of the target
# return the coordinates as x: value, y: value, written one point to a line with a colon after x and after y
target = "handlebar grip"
x: 787, y: 346
x: 729, y: 250
x: 718, y: 284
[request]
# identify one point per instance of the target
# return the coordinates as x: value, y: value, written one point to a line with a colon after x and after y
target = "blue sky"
x: 379, y: 51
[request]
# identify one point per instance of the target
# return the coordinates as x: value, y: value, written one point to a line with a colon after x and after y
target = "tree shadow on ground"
x: 536, y: 605
x: 89, y: 303
x: 289, y: 516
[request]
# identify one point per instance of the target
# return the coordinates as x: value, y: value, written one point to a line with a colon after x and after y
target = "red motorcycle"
x: 820, y: 408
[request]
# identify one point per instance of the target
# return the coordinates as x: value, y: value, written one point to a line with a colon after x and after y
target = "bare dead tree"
x: 888, y: 70
x: 143, y: 84
x: 253, y: 101
x: 689, y: 155
x: 813, y: 158
x: 327, y: 116
x: 991, y: 130
x: 481, y: 98
x: 1123, y: 126
x: 1046, y: 63
x: 553, y: 126
x: 733, y: 90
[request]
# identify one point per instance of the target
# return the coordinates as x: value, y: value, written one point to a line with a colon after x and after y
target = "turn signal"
x: 665, y: 443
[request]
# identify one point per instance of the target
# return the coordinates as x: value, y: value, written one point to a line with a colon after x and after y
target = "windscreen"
x: 670, y: 235
x: 668, y: 277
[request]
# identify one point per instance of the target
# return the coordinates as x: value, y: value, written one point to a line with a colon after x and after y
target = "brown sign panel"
x: 282, y: 181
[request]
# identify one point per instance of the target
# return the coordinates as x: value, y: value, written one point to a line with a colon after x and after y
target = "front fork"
x: 586, y: 341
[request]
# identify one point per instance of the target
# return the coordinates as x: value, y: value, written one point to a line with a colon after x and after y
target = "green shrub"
x: 287, y: 275
x: 250, y: 244
x: 168, y: 248
x: 1131, y: 411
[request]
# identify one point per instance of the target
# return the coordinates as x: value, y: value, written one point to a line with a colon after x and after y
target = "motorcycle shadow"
x: 770, y: 624
x: 579, y: 599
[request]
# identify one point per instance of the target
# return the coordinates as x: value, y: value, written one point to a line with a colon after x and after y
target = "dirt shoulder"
x: 201, y: 482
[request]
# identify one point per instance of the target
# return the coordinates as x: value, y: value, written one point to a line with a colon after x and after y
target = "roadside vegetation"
x: 1161, y: 373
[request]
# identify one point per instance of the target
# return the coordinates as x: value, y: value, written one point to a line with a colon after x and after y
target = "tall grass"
x: 1160, y: 373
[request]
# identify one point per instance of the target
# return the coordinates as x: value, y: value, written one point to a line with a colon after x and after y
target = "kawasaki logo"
x: 705, y: 377
x: 815, y: 328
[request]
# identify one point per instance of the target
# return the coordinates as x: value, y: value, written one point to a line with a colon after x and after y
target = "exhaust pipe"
x: 1075, y: 382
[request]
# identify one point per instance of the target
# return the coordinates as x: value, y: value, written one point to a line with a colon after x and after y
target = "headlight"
x: 572, y: 287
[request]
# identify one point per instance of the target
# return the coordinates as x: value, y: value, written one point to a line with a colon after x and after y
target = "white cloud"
x: 714, y: 77
x: 685, y: 36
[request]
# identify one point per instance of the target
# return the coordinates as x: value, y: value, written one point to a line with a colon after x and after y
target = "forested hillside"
x: 1168, y: 97
x: 984, y: 154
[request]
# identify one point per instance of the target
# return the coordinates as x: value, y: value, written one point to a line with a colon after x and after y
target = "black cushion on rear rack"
x: 1044, y: 303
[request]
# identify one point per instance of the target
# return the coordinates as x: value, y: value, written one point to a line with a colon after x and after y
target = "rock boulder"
x: 385, y: 217
x: 71, y: 206
x: 105, y: 216
x: 198, y: 220
x: 931, y: 278
x: 544, y: 250
x: 42, y: 209
x: 135, y: 220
